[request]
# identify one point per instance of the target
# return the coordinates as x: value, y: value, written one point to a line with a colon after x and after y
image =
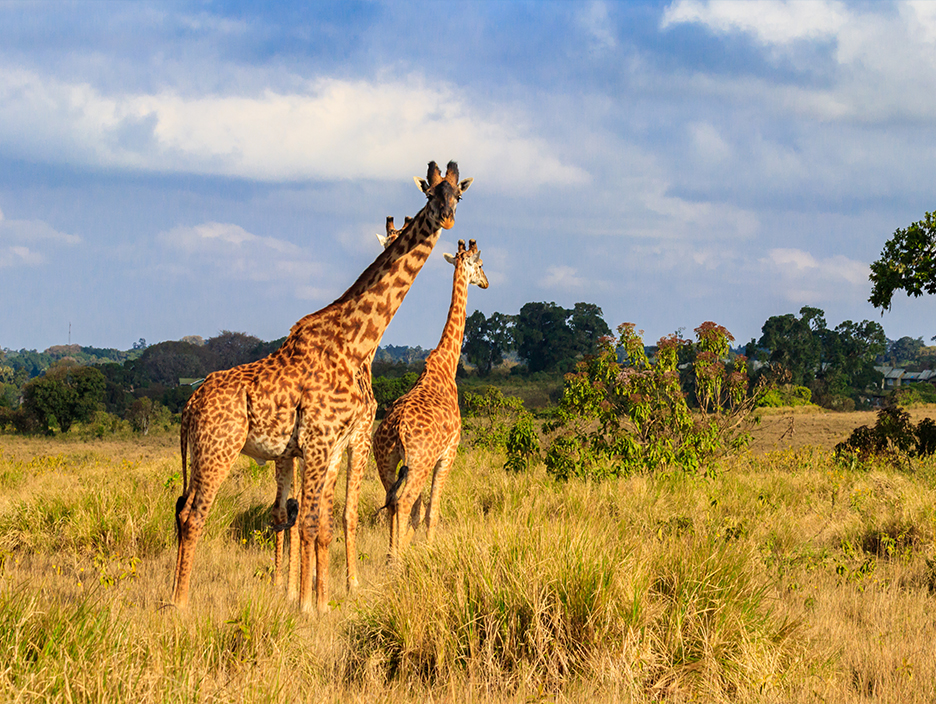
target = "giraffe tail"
x: 182, y: 500
x: 184, y: 442
x: 394, y: 490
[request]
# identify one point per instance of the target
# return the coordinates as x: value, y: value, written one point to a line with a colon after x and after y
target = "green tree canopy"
x: 64, y: 394
x: 906, y: 350
x: 549, y: 337
x: 487, y: 340
x: 794, y: 344
x: 848, y: 355
x: 907, y: 263
x: 837, y: 362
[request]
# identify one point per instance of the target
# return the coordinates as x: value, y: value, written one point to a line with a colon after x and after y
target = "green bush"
x: 616, y: 419
x: 389, y: 389
x: 916, y: 394
x: 893, y: 439
x: 491, y: 416
x: 784, y: 396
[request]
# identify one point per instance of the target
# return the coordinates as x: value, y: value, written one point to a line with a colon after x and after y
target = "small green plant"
x: 112, y: 568
x: 522, y: 444
x: 493, y: 416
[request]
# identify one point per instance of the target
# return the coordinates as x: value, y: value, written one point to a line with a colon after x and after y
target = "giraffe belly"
x: 263, y: 449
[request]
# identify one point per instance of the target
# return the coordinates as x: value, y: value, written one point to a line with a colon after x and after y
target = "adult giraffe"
x: 308, y: 398
x: 423, y: 427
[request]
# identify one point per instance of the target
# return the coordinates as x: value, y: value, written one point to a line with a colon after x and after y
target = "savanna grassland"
x: 785, y: 578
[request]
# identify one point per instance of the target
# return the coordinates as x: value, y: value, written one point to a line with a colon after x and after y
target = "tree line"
x: 149, y: 383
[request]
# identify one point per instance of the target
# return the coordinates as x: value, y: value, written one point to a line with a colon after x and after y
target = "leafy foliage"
x: 906, y: 350
x: 63, y: 395
x: 914, y: 394
x: 893, y: 439
x: 522, y: 444
x: 834, y: 364
x: 907, y: 263
x: 145, y: 413
x: 616, y: 420
x: 487, y: 340
x: 786, y: 395
x: 549, y: 337
x: 491, y: 416
x: 389, y: 389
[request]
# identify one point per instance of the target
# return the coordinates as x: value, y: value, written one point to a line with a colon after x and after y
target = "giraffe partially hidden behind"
x: 359, y: 446
x: 423, y: 427
x: 285, y: 511
x: 308, y: 399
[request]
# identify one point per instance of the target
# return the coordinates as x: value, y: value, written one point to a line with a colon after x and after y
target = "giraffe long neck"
x: 444, y: 358
x: 355, y: 322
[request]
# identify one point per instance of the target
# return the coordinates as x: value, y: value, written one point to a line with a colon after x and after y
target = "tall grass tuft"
x: 538, y: 605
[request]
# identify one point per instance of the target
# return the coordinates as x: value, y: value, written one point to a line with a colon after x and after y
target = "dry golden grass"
x: 784, y: 428
x: 785, y: 579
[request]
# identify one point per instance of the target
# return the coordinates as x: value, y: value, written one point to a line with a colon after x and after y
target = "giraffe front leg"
x: 318, y: 487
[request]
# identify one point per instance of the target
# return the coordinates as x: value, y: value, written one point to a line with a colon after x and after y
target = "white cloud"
x: 800, y: 277
x: 690, y: 219
x: 594, y: 20
x: 28, y: 242
x: 771, y: 21
x: 709, y: 143
x: 233, y: 252
x: 563, y: 277
x: 884, y: 66
x: 329, y: 129
x: 15, y: 255
x: 213, y: 236
x: 313, y: 293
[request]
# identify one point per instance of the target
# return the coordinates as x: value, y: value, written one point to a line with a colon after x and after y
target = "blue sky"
x: 172, y: 169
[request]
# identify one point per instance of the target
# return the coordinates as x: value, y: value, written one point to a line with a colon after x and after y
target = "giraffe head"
x: 470, y: 259
x: 443, y: 192
x: 392, y: 234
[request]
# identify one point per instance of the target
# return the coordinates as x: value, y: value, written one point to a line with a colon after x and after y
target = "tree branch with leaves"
x: 907, y: 263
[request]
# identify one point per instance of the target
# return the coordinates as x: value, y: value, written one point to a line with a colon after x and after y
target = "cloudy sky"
x: 172, y: 168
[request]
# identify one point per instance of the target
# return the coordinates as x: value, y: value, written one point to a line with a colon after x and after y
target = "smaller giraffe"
x: 423, y: 427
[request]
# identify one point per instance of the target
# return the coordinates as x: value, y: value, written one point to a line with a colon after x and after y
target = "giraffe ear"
x: 450, y: 258
x: 423, y: 184
x: 384, y: 241
x: 463, y: 185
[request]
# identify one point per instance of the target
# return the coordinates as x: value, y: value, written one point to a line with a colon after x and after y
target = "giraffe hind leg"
x: 279, y: 513
x: 442, y: 469
x: 207, y: 475
x: 358, y: 451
